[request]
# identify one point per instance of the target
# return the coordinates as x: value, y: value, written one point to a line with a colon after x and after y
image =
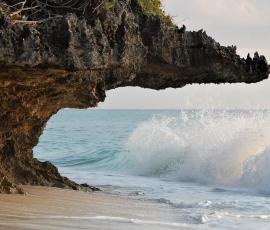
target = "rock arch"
x: 68, y: 62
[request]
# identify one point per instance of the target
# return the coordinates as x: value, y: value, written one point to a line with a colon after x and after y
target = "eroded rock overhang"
x: 70, y: 60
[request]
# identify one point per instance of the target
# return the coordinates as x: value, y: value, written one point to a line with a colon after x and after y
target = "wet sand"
x: 51, y: 208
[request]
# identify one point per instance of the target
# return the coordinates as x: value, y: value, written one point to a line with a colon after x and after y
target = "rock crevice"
x: 70, y: 61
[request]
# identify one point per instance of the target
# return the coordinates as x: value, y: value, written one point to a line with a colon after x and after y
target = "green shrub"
x: 109, y: 4
x: 155, y: 7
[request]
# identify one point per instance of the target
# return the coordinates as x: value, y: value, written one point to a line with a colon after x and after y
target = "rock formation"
x: 70, y: 60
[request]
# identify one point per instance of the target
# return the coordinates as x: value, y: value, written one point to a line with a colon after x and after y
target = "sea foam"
x: 226, y: 148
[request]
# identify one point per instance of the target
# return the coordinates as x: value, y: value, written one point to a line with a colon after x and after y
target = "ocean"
x: 211, y: 167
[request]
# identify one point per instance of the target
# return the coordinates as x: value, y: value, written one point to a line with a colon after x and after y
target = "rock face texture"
x: 70, y: 60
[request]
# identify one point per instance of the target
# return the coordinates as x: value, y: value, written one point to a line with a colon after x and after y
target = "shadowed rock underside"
x: 70, y: 60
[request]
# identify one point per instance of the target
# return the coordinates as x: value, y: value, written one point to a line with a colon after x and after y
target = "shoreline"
x: 53, y: 208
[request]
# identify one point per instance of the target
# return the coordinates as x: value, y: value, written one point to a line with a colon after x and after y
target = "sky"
x: 244, y: 23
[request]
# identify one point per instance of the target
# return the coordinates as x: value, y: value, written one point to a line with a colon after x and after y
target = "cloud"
x: 244, y: 13
x: 240, y: 12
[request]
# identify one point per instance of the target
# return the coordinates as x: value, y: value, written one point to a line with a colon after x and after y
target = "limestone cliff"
x: 71, y: 59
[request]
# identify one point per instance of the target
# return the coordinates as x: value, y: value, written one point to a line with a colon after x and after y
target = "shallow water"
x: 212, y: 168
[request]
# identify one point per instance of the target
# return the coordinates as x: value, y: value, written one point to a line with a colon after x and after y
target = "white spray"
x: 228, y: 148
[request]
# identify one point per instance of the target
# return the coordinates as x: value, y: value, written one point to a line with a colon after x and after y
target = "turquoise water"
x: 211, y: 167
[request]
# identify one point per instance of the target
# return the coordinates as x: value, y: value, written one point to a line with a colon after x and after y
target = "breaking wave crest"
x: 226, y: 148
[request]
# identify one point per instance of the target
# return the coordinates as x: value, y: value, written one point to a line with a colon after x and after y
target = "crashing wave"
x: 226, y: 148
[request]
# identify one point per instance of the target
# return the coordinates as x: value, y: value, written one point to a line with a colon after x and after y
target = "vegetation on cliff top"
x: 35, y: 11
x: 155, y: 7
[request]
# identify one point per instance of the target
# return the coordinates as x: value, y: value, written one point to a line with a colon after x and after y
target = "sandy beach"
x: 51, y: 208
